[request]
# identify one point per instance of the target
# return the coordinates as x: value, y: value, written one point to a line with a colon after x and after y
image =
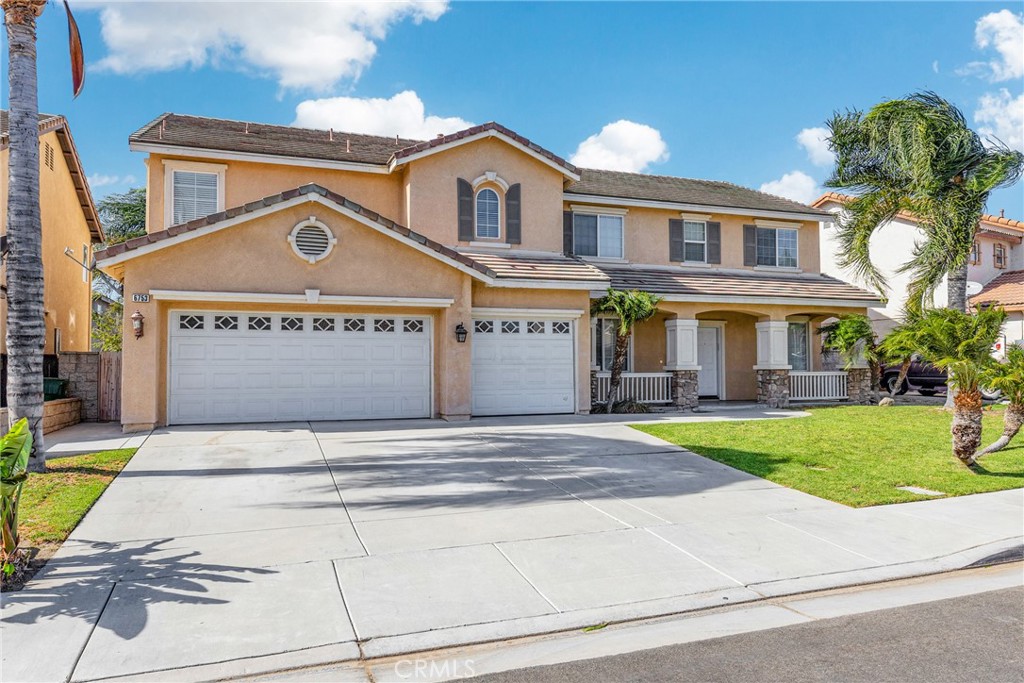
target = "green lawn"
x: 53, y: 502
x: 855, y: 455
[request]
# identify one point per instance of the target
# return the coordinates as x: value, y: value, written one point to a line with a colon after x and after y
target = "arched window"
x: 488, y: 224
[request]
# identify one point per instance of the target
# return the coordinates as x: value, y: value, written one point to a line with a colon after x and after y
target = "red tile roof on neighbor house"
x: 1006, y: 290
x: 1010, y: 224
x: 680, y: 281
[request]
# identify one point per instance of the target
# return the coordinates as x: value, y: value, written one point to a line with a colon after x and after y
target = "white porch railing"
x: 815, y: 386
x: 645, y: 387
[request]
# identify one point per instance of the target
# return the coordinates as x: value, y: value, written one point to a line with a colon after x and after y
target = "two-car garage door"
x: 263, y: 367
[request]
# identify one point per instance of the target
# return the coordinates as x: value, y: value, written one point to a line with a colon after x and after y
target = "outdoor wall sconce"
x: 138, y: 323
x: 461, y: 333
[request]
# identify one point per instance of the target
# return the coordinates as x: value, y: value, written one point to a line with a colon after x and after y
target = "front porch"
x: 690, y: 353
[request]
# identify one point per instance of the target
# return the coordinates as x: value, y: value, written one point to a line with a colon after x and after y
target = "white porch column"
x: 772, y: 345
x: 680, y: 345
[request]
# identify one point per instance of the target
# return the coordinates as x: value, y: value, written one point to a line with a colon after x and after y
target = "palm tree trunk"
x: 956, y: 298
x: 1013, y: 418
x: 904, y: 369
x: 26, y: 327
x: 618, y: 362
x: 966, y: 429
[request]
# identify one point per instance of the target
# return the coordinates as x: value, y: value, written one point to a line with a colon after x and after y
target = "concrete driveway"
x: 232, y: 551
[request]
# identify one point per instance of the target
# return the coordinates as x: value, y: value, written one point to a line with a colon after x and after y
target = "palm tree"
x: 961, y: 344
x: 1007, y: 377
x: 852, y: 336
x: 630, y: 307
x: 919, y: 156
x: 26, y: 326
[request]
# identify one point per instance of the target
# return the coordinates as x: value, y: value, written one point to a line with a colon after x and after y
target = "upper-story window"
x: 695, y: 241
x: 975, y: 253
x: 999, y: 255
x: 597, y: 235
x: 488, y: 216
x: 777, y: 247
x: 193, y: 190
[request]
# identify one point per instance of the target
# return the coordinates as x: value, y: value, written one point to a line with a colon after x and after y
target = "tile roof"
x: 178, y: 130
x: 684, y: 191
x: 443, y: 140
x: 1007, y: 289
x: 534, y: 266
x: 57, y: 123
x: 259, y: 204
x: 676, y: 281
x: 998, y: 221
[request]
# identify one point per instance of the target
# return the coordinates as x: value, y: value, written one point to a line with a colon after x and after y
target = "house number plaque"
x: 140, y: 298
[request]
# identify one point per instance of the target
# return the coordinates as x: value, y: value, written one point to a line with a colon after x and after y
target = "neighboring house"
x: 997, y: 249
x: 70, y: 223
x: 1006, y: 290
x: 294, y: 274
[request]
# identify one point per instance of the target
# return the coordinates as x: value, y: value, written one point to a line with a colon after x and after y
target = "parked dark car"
x: 922, y: 377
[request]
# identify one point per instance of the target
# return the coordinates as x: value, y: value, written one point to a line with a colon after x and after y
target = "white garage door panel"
x: 523, y: 366
x: 262, y: 367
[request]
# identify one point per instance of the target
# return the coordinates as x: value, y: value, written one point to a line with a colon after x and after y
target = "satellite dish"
x: 973, y: 288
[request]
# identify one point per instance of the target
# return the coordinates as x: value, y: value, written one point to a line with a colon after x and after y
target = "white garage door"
x: 267, y: 367
x: 523, y: 366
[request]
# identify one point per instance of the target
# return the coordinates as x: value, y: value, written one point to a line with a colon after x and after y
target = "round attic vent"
x: 312, y: 240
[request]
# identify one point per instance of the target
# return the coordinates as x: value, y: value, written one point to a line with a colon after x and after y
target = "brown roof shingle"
x: 678, y: 281
x: 533, y: 266
x: 1007, y: 289
x: 178, y: 130
x: 684, y: 191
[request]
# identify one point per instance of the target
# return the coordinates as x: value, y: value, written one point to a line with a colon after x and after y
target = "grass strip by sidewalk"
x: 54, y: 501
x: 855, y: 455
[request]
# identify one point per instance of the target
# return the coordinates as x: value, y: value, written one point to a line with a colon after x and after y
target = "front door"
x: 707, y: 358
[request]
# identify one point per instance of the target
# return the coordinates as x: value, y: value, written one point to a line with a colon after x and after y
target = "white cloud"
x: 795, y: 185
x: 622, y: 146
x: 815, y: 142
x: 1002, y: 116
x: 97, y: 180
x: 935, y: 66
x: 303, y: 45
x: 402, y: 114
x: 1003, y: 31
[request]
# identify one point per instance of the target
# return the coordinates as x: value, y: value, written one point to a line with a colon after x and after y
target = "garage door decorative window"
x: 191, y: 322
x: 483, y: 326
x: 311, y: 240
x: 260, y: 323
x: 291, y: 324
x: 225, y: 322
x: 323, y: 324
x: 355, y: 325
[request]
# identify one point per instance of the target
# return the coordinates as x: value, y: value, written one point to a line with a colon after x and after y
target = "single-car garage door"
x: 267, y: 367
x: 523, y: 366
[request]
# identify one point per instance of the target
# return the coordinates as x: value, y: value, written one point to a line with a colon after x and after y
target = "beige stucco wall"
x: 433, y: 199
x: 246, y: 181
x: 66, y: 295
x: 646, y: 238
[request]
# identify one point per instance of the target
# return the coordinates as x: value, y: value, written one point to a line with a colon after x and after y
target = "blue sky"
x: 707, y: 90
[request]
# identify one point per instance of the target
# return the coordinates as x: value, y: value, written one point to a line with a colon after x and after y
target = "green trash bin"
x: 54, y: 388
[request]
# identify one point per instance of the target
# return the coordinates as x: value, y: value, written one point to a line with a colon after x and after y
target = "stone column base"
x: 858, y: 386
x: 773, y: 388
x: 684, y: 389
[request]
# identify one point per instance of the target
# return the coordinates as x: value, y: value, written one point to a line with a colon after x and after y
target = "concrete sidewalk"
x: 234, y: 551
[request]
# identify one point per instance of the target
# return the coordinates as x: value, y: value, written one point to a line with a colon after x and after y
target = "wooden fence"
x: 109, y: 389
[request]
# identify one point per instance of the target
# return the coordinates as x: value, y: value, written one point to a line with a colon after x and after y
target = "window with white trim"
x: 999, y: 255
x: 598, y: 235
x: 603, y: 349
x: 777, y: 247
x: 695, y: 241
x: 195, y: 194
x: 488, y: 217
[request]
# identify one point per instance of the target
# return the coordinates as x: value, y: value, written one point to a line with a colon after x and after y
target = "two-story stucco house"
x: 995, y: 272
x: 294, y: 274
x: 70, y: 224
